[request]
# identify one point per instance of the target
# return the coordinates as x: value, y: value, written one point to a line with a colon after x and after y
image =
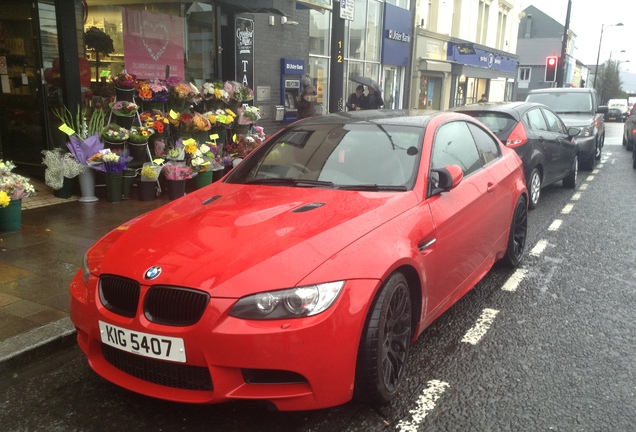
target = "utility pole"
x: 564, y: 47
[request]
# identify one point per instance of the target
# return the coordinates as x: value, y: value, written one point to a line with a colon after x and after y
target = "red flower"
x: 158, y: 126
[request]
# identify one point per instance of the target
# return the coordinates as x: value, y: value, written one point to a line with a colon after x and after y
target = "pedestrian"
x: 374, y: 100
x: 357, y: 100
x: 483, y: 98
x: 307, y: 98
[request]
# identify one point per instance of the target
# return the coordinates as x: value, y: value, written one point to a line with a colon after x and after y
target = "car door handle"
x: 491, y: 187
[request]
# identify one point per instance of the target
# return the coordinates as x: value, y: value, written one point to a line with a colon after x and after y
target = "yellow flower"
x: 190, y: 146
x: 4, y: 199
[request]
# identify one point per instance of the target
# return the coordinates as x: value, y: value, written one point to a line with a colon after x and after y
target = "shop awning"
x: 434, y: 65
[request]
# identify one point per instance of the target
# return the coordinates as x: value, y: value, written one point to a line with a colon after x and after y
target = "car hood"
x: 577, y: 120
x: 247, y: 238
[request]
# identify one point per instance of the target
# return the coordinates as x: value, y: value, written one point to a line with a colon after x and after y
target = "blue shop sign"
x: 468, y: 54
x: 292, y: 66
x: 396, y: 35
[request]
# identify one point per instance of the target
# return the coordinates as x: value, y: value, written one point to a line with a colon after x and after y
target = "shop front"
x: 41, y: 71
x: 478, y: 71
x: 396, y: 52
x: 431, y: 75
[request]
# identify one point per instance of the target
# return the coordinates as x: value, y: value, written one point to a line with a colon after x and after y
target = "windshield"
x: 363, y: 156
x: 564, y: 103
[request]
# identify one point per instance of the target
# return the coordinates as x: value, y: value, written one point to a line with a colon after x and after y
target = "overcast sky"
x: 586, y: 19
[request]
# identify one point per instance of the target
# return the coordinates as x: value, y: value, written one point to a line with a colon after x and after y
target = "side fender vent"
x: 211, y: 199
x: 308, y: 207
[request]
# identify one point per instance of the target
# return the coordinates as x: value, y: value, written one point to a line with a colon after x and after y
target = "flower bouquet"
x: 202, y: 158
x: 60, y: 165
x: 188, y: 122
x: 214, y: 90
x: 153, y: 91
x: 113, y: 162
x: 125, y: 80
x: 13, y: 186
x: 248, y: 115
x: 243, y: 145
x: 150, y: 170
x: 140, y: 134
x: 182, y: 93
x: 176, y: 172
x: 124, y: 108
x: 221, y: 117
x: 115, y: 134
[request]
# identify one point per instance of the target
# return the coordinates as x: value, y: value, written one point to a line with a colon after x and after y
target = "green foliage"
x: 608, y: 82
x: 83, y: 123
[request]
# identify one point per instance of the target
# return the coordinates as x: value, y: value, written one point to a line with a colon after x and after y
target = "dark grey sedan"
x: 546, y: 146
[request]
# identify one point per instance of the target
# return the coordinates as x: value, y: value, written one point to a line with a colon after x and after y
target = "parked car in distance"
x: 613, y: 115
x: 629, y: 129
x: 545, y: 145
x: 621, y: 104
x: 303, y: 276
x: 577, y: 107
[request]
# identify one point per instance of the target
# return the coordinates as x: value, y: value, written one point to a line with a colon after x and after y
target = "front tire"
x: 570, y: 181
x: 385, y: 343
x: 534, y: 187
x: 518, y: 234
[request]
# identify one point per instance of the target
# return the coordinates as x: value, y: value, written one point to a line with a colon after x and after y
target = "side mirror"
x: 573, y: 131
x: 602, y: 109
x: 445, y: 179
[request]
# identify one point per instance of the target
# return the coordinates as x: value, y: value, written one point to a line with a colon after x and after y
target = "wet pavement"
x: 38, y: 262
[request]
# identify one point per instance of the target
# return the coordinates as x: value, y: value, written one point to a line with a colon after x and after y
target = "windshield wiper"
x: 375, y: 187
x: 286, y: 181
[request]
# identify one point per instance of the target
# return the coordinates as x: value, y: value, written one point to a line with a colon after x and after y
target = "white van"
x: 621, y: 104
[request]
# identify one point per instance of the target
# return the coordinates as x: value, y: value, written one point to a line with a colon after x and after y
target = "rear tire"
x: 570, y: 181
x: 385, y: 343
x: 518, y: 234
x: 629, y: 144
x: 534, y: 188
x: 634, y: 160
x: 587, y: 162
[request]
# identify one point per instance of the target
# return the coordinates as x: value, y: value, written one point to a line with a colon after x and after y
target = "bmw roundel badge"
x: 152, y: 273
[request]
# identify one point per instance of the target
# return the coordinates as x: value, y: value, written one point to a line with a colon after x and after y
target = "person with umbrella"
x: 307, y: 98
x: 374, y: 100
x: 357, y: 100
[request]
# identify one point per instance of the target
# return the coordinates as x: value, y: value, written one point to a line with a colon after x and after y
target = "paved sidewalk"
x: 38, y: 262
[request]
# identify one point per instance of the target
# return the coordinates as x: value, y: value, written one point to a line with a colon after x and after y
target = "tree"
x: 100, y: 43
x: 608, y: 82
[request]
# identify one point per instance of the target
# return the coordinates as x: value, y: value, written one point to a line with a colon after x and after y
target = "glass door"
x: 392, y: 87
x: 22, y: 133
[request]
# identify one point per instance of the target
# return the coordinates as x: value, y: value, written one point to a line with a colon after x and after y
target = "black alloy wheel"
x: 518, y: 234
x: 570, y: 181
x: 385, y: 343
x: 534, y: 187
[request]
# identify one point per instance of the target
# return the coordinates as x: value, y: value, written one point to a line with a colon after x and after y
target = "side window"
x: 554, y: 123
x: 535, y: 120
x: 454, y: 145
x: 487, y: 146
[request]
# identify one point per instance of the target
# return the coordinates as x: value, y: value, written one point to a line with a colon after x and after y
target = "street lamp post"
x: 612, y: 52
x: 598, y: 56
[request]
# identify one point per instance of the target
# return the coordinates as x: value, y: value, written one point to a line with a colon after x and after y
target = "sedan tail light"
x: 517, y: 137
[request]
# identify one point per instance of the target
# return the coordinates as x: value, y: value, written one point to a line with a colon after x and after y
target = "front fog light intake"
x: 289, y: 303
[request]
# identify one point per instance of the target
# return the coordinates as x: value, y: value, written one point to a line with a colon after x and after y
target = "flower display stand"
x: 203, y: 179
x: 147, y: 190
x: 125, y: 94
x: 176, y: 188
x: 66, y: 191
x: 114, y: 186
x: 139, y: 153
x: 11, y: 216
x: 218, y: 174
x: 87, y: 186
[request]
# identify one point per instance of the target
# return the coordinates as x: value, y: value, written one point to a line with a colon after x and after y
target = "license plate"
x: 144, y: 344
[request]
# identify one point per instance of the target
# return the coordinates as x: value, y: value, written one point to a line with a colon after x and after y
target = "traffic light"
x: 551, y: 63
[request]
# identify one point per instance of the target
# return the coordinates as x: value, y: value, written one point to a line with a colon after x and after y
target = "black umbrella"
x: 367, y: 82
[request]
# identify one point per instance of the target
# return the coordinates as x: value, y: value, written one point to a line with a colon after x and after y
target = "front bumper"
x: 587, y: 146
x: 296, y: 364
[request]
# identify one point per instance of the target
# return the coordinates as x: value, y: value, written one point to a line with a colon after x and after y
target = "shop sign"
x: 472, y: 56
x: 396, y: 43
x: 245, y: 51
x: 153, y: 42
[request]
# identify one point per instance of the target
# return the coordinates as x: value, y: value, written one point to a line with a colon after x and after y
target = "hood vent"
x: 308, y: 207
x: 211, y: 199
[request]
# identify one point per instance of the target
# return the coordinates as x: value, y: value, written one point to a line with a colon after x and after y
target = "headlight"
x: 587, y: 130
x: 85, y: 270
x: 289, y: 303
